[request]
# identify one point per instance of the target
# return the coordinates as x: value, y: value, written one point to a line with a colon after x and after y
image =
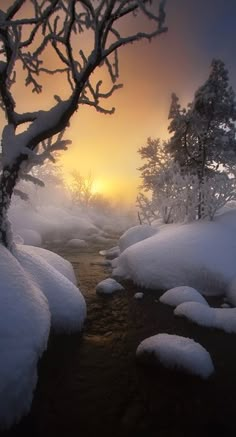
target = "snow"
x: 231, y: 293
x: 30, y: 237
x: 201, y: 254
x: 177, y: 295
x: 37, y: 290
x: 175, y: 352
x: 51, y: 222
x: 76, y: 242
x: 220, y: 318
x: 66, y: 303
x: 138, y: 295
x: 108, y: 286
x: 60, y: 264
x: 112, y: 253
x: 24, y: 330
x: 135, y: 234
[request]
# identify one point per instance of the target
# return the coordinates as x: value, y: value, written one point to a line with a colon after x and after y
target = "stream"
x: 91, y: 385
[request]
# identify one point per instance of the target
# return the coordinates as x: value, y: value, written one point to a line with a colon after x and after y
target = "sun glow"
x: 98, y: 187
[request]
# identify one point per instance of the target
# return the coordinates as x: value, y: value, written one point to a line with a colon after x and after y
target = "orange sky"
x: 107, y: 145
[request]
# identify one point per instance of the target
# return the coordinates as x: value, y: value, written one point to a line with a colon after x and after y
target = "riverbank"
x: 90, y: 384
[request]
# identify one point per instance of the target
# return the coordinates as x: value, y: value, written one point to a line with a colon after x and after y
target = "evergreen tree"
x: 203, y: 134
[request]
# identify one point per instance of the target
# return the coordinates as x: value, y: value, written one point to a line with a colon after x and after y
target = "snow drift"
x: 24, y: 329
x: 37, y: 289
x: 201, y: 255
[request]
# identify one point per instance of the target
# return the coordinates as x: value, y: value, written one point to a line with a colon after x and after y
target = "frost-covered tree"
x: 173, y: 190
x: 81, y: 188
x: 203, y: 134
x: 80, y: 35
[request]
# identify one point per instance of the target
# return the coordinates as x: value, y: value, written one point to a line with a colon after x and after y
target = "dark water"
x: 91, y: 385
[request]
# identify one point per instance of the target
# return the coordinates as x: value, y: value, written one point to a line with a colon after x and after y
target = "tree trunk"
x: 8, y: 181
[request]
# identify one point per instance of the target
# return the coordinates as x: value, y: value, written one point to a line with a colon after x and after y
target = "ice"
x: 178, y: 353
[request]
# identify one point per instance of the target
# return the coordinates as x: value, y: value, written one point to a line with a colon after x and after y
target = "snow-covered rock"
x: 220, y: 318
x: 138, y: 295
x: 60, y: 264
x: 31, y: 237
x: 76, y: 242
x: 177, y: 353
x: 108, y: 286
x: 66, y: 303
x: 24, y: 329
x: 135, y: 234
x: 200, y: 254
x: 177, y: 295
x: 231, y: 293
x: 112, y: 253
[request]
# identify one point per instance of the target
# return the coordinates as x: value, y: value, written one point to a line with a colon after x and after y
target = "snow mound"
x: 177, y: 295
x: 24, y: 329
x: 66, y: 303
x: 108, y: 286
x: 76, y: 242
x: 31, y: 237
x: 200, y: 254
x: 112, y: 253
x: 135, y: 234
x: 60, y: 264
x: 231, y: 293
x: 220, y: 318
x: 138, y: 295
x: 178, y: 353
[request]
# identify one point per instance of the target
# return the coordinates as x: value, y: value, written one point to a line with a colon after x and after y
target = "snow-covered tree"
x: 81, y: 188
x: 173, y: 190
x: 82, y: 35
x: 204, y: 133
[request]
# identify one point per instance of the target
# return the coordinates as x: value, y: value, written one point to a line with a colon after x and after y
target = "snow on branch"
x: 79, y: 36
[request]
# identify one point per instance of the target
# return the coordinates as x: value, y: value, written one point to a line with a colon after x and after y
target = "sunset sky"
x: 176, y: 61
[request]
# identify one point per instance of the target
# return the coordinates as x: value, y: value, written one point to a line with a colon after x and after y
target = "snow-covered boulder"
x: 60, y: 264
x: 76, y: 242
x: 177, y: 295
x: 66, y: 303
x: 135, y: 234
x: 200, y: 254
x: 177, y: 353
x: 24, y: 329
x: 220, y: 318
x: 138, y: 295
x: 108, y: 286
x: 231, y: 293
x: 112, y: 253
x: 30, y: 237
